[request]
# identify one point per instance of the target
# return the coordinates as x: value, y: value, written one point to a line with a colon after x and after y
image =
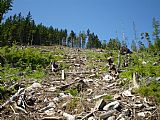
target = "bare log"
x: 89, y: 115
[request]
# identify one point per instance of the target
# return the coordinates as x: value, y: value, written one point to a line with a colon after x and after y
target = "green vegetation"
x: 24, y: 63
x: 151, y: 90
x: 75, y: 101
x: 73, y: 92
x: 23, y: 58
x: 93, y: 57
x: 5, y: 7
x: 144, y: 70
x: 141, y: 63
x: 108, y: 97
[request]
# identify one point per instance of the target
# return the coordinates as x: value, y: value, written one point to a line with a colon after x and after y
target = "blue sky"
x: 103, y: 17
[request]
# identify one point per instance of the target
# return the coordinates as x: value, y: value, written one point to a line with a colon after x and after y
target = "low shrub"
x: 151, y: 90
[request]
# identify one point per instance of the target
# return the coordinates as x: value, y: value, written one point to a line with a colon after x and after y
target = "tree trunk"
x: 1, y: 17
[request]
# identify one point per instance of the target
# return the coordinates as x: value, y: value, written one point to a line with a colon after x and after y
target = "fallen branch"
x: 13, y: 98
x: 88, y: 115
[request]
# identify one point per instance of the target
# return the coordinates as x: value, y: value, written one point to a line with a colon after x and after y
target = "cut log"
x: 88, y: 115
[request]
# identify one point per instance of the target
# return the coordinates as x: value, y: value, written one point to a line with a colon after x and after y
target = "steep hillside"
x: 83, y: 86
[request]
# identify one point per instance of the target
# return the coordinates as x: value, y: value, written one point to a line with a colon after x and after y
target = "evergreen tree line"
x: 24, y: 31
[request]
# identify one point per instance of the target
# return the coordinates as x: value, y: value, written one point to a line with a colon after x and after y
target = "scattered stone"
x: 50, y: 111
x: 90, y: 91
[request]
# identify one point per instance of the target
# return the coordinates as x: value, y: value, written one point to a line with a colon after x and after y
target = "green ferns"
x: 31, y: 61
x: 25, y: 57
x: 144, y: 70
x: 24, y: 63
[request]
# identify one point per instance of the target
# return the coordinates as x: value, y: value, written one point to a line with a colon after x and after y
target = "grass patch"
x: 73, y: 92
x: 107, y: 97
